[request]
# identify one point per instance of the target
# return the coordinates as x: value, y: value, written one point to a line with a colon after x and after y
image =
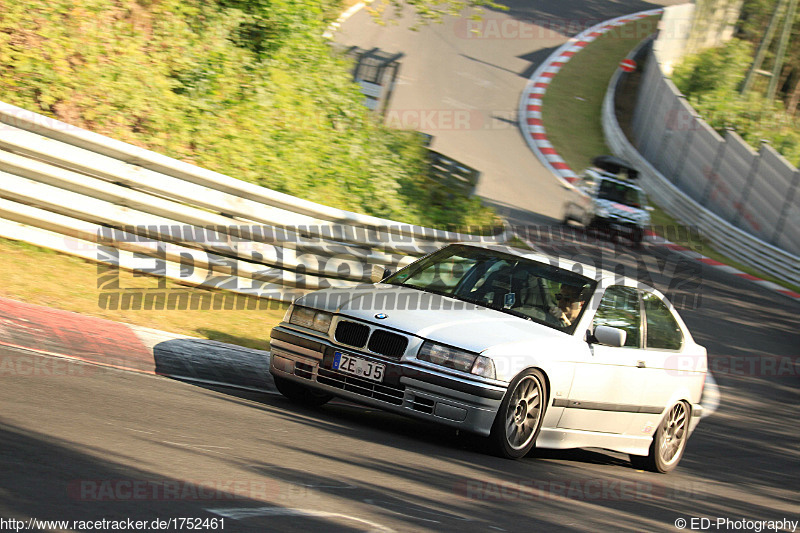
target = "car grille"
x: 363, y: 387
x: 303, y: 370
x: 388, y: 344
x: 352, y: 334
x: 423, y: 405
x: 381, y: 342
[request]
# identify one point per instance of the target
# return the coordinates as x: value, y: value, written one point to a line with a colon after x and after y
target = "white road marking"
x: 139, y: 431
x: 252, y: 512
x: 456, y: 103
x: 334, y: 27
x: 409, y: 509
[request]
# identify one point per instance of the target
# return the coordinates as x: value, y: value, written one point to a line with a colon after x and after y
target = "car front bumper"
x: 617, y: 225
x: 406, y: 388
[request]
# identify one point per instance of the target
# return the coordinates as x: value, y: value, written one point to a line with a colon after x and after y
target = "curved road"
x: 79, y: 442
x: 461, y: 82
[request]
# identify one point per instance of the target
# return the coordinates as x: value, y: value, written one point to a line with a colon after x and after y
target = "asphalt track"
x: 85, y: 442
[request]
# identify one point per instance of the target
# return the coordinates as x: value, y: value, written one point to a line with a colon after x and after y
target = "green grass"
x: 572, y: 117
x: 572, y: 105
x: 44, y: 277
x: 250, y: 89
x: 661, y: 219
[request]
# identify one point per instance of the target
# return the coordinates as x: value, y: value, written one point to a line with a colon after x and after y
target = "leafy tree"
x: 753, y: 24
x: 710, y: 80
x: 249, y: 88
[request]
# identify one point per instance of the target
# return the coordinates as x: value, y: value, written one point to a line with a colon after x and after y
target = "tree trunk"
x: 794, y: 98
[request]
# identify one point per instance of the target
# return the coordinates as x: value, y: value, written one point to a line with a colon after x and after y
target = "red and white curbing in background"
x: 697, y: 256
x: 530, y: 108
x: 530, y: 117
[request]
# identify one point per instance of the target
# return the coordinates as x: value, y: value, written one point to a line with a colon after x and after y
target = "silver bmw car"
x: 524, y: 349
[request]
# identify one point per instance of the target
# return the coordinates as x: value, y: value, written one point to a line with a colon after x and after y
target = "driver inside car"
x: 570, y: 303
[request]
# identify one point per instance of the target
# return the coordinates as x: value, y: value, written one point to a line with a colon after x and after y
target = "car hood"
x: 619, y: 210
x: 430, y: 316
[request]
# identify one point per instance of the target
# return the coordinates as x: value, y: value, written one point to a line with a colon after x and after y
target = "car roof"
x: 602, y: 174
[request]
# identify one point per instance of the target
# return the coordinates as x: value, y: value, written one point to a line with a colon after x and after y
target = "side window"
x: 663, y: 332
x: 619, y: 308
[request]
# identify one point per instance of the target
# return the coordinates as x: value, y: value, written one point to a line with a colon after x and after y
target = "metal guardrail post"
x: 748, y: 184
x: 713, y: 174
x: 787, y: 204
x: 682, y: 160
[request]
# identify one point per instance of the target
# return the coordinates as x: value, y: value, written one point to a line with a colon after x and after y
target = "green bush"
x: 714, y: 70
x: 248, y: 88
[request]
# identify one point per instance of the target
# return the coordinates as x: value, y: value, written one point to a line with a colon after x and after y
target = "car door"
x: 667, y: 367
x: 608, y: 385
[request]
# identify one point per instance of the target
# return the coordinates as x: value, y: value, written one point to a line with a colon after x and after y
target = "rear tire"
x: 669, y: 442
x: 300, y: 393
x: 520, y: 416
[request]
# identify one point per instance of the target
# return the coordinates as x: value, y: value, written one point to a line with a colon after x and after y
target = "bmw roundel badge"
x: 381, y: 316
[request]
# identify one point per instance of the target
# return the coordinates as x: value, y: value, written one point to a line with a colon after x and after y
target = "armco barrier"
x: 145, y: 159
x: 81, y: 193
x: 731, y: 240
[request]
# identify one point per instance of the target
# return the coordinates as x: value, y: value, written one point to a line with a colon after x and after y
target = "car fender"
x: 681, y: 394
x: 555, y: 358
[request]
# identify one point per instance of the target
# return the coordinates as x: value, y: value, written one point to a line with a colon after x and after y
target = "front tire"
x: 669, y: 442
x: 300, y: 393
x: 520, y: 416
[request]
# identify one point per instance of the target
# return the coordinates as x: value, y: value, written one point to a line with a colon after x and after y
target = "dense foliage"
x: 248, y: 88
x: 711, y: 80
x: 755, y: 17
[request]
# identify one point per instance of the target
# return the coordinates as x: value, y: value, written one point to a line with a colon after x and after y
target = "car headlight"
x: 310, y: 318
x: 456, y: 359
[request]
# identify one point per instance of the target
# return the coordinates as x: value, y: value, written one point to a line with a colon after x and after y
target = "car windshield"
x: 508, y: 283
x: 621, y: 193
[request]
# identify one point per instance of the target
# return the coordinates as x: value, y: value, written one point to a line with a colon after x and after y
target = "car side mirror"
x: 379, y: 273
x: 608, y: 336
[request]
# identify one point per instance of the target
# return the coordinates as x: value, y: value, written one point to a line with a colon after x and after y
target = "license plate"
x: 358, y: 366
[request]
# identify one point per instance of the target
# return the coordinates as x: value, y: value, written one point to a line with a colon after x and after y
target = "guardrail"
x: 68, y: 189
x: 731, y: 240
